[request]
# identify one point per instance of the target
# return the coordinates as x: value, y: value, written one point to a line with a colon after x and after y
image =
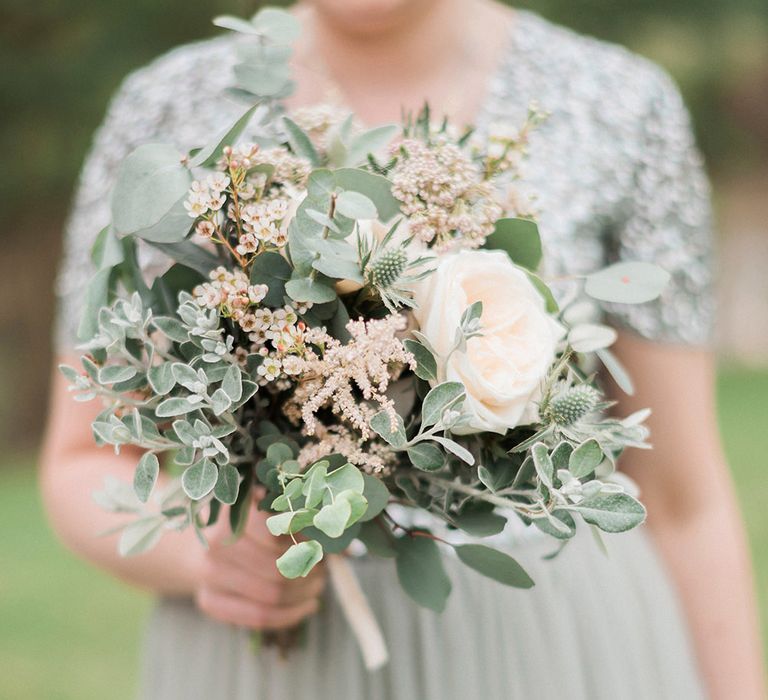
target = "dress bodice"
x: 614, y: 171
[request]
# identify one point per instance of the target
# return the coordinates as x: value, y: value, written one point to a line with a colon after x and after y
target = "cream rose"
x: 502, y: 369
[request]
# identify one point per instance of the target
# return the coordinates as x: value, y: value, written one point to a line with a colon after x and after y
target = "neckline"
x: 503, y: 63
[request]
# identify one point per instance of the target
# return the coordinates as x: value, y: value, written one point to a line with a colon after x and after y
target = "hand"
x: 239, y: 582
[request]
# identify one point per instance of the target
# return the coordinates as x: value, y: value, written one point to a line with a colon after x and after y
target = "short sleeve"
x: 667, y: 220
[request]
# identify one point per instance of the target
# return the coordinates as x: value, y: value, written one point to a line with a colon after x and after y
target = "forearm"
x: 68, y: 482
x: 706, y: 555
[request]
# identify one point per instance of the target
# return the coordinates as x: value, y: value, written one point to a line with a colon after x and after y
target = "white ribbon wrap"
x: 358, y: 612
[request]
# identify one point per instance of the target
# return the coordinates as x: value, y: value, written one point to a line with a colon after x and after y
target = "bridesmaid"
x: 671, y: 613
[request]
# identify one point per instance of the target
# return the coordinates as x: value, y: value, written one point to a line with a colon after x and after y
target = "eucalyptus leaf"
x: 376, y: 187
x: 627, y: 283
x: 177, y: 406
x: 520, y: 239
x: 494, y: 564
x: 140, y: 536
x: 301, y: 144
x: 209, y: 154
x: 299, y: 559
x: 421, y: 572
x: 332, y: 519
x: 377, y: 496
x: 307, y: 289
x: 481, y: 523
x: 150, y: 181
x: 355, y: 205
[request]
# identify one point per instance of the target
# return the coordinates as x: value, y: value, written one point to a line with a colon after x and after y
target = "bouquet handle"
x: 357, y: 611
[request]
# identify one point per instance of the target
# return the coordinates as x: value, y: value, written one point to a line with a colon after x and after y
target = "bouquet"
x: 351, y: 328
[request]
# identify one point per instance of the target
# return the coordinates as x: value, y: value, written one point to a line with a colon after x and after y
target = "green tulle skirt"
x: 595, y: 627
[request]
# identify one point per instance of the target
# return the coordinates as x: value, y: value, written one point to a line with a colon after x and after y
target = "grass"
x: 69, y: 632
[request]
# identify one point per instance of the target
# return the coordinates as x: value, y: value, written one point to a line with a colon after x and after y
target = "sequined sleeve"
x: 668, y: 221
x: 126, y: 125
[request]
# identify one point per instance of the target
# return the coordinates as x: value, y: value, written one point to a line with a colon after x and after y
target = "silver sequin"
x: 614, y: 170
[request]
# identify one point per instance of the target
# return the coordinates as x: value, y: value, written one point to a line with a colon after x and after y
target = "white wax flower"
x: 504, y: 368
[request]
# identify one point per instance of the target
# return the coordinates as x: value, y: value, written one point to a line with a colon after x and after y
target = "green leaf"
x: 520, y: 239
x: 613, y: 512
x: 140, y: 536
x: 357, y: 503
x: 585, y: 458
x: 377, y: 495
x: 209, y: 154
x: 382, y: 426
x: 543, y: 463
x: 299, y: 559
x: 332, y: 545
x: 355, y: 205
x: 369, y: 142
x: 565, y: 532
x: 220, y: 402
x: 145, y: 477
x: 455, y: 448
x: 426, y: 365
x: 199, y: 479
x: 332, y: 519
x: 232, y: 384
x: 314, y: 483
x: 171, y: 328
x: 290, y: 522
x: 345, y: 478
x: 300, y: 143
x: 278, y: 25
x: 438, y: 400
x: 376, y: 187
x: 617, y: 371
x: 542, y: 288
x: 481, y: 523
x: 175, y: 407
x: 307, y: 289
x: 273, y: 270
x: 106, y: 250
x: 150, y: 181
x: 421, y: 573
x: 173, y: 227
x: 426, y: 456
x: 627, y: 283
x: 494, y: 564
x: 227, y: 484
x: 113, y: 374
x: 374, y: 536
x: 96, y: 296
x: 188, y: 254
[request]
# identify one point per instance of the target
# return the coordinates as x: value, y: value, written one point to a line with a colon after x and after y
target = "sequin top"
x: 614, y: 170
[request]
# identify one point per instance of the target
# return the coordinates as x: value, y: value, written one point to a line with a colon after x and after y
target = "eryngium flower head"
x: 573, y: 404
x: 386, y: 268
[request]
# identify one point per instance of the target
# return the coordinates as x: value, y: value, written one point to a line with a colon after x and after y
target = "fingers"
x: 239, y: 611
x: 247, y: 582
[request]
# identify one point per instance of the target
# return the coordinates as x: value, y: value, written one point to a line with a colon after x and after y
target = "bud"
x: 573, y: 404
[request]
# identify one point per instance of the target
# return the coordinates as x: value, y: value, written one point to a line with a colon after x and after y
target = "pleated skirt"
x: 596, y: 626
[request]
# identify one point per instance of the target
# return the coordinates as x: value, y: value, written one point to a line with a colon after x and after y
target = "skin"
x: 383, y: 55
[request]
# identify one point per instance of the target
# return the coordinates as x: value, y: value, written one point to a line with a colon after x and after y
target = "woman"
x: 670, y: 613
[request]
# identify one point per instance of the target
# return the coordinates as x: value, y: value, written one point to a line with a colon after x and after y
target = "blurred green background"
x: 69, y: 632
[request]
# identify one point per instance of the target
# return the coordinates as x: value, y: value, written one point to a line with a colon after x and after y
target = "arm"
x: 693, y: 515
x: 235, y: 583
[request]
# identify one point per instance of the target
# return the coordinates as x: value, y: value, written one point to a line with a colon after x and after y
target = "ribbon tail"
x: 357, y: 611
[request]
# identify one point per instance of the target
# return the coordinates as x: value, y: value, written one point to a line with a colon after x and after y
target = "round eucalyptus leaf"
x: 299, y: 559
x: 627, y: 283
x: 355, y: 205
x: 494, y: 564
x: 150, y: 181
x: 227, y: 484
